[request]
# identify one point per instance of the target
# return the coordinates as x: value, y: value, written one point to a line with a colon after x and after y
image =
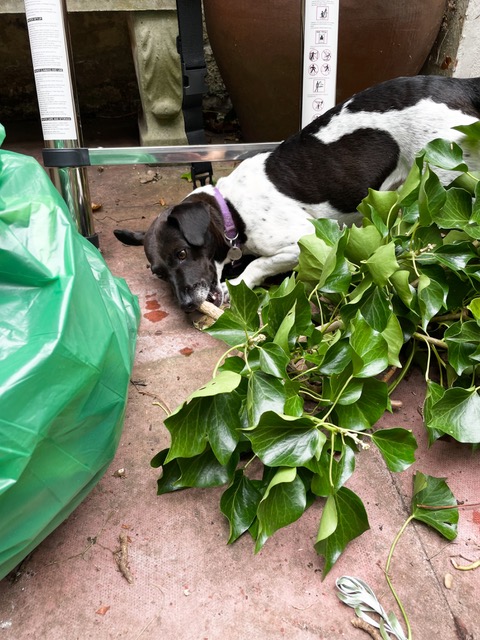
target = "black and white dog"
x: 264, y: 206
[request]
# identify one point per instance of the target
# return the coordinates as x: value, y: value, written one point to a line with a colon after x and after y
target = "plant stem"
x: 403, y: 372
x: 387, y: 575
x: 223, y: 357
x: 426, y: 338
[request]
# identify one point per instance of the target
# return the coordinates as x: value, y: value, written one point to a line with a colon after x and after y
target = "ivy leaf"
x: 239, y: 504
x: 331, y: 474
x: 224, y: 382
x: 445, y: 155
x: 362, y: 243
x: 205, y: 470
x: 273, y: 359
x: 457, y: 413
x: 380, y: 204
x: 336, y: 276
x: 343, y: 519
x: 430, y: 497
x: 463, y: 339
x: 367, y: 410
x: 244, y: 305
x: 229, y: 328
x: 284, y: 501
x: 401, y: 281
x: 313, y: 253
x: 456, y: 212
x: 382, y: 264
x: 337, y: 358
x: 393, y: 335
x: 202, y: 471
x: 370, y: 350
x: 214, y: 419
x: 431, y: 296
x: 431, y: 197
x: 328, y: 230
x: 432, y: 396
x: 470, y: 130
x: 265, y: 393
x: 286, y: 441
x: 293, y: 305
x: 397, y: 447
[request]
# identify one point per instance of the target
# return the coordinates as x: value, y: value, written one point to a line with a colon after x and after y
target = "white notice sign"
x: 319, y: 58
x: 51, y: 69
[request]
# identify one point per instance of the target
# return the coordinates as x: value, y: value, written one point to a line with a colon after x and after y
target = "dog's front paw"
x: 225, y: 293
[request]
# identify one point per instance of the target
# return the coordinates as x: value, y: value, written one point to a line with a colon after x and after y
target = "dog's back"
x: 371, y: 139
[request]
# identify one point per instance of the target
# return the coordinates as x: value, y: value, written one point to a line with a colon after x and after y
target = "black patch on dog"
x: 456, y: 93
x: 340, y: 172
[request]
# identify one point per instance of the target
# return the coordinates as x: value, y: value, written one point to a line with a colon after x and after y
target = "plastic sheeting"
x: 67, y: 339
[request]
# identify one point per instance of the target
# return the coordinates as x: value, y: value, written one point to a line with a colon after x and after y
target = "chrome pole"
x: 49, y: 36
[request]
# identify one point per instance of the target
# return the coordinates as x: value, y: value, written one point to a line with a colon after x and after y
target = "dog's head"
x: 181, y: 248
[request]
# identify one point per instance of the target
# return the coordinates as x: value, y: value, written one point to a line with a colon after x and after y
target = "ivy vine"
x: 305, y: 379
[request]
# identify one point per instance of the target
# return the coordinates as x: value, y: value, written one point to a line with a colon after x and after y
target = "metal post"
x: 49, y: 37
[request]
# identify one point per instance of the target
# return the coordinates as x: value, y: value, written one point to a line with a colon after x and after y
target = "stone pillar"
x: 153, y: 37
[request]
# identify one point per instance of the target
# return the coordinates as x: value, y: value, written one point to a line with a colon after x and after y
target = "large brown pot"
x: 257, y: 46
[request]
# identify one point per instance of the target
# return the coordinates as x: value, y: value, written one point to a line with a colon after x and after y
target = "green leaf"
x: 470, y: 130
x: 282, y: 336
x: 328, y: 230
x: 431, y: 197
x: 244, y: 305
x: 229, y: 328
x: 362, y: 243
x: 431, y: 296
x: 224, y: 382
x: 336, y: 276
x: 435, y: 494
x: 456, y: 212
x: 337, y: 358
x: 313, y: 253
x: 397, y: 447
x: 284, y: 501
x: 393, y: 335
x: 458, y: 414
x: 331, y: 474
x: 214, y: 419
x: 463, y: 339
x: 400, y: 280
x: 344, y: 518
x: 433, y: 395
x: 293, y: 302
x: 382, y: 264
x: 265, y: 393
x: 445, y: 155
x: 286, y: 441
x: 239, y: 504
x: 382, y: 203
x: 474, y: 307
x: 367, y: 410
x: 370, y: 350
x: 205, y: 470
x: 273, y: 359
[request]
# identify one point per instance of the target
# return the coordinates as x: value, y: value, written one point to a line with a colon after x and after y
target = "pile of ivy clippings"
x: 302, y: 388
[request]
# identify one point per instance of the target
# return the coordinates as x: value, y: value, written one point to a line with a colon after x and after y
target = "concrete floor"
x: 188, y: 584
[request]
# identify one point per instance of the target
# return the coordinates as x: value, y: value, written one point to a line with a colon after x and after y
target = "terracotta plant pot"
x: 257, y: 46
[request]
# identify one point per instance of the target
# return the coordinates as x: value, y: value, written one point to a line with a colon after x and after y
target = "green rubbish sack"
x: 67, y: 339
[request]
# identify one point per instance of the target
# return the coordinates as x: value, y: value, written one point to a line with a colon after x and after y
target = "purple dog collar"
x: 230, y: 230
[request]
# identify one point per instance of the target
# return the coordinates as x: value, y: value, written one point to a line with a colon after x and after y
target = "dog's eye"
x: 182, y: 254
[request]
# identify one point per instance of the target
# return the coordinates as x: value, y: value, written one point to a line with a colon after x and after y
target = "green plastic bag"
x: 67, y: 340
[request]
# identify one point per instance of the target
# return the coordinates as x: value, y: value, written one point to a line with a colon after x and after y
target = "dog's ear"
x: 193, y: 219
x: 129, y: 237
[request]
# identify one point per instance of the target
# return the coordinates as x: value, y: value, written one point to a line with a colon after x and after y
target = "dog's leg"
x: 266, y: 266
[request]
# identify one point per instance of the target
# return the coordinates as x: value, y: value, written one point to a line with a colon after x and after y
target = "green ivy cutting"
x: 305, y: 377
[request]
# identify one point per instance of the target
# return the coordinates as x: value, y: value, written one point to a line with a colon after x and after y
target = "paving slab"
x: 187, y: 582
